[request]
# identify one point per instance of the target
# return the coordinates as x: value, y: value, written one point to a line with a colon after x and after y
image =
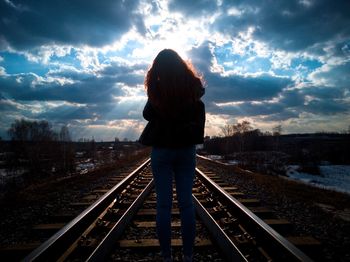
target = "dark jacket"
x: 183, y: 129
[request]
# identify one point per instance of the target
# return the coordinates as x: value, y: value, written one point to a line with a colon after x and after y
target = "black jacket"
x: 183, y: 129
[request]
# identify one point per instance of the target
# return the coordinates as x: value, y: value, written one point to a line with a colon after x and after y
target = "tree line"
x: 38, y: 149
x: 241, y: 140
x: 242, y: 137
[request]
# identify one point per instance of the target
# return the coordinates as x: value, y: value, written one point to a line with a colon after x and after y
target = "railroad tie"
x: 90, y: 198
x: 62, y: 217
x: 249, y: 201
x: 154, y: 243
x: 262, y: 211
x: 307, y: 244
x: 80, y: 204
x: 153, y: 212
x: 100, y: 191
x: 48, y: 227
x: 280, y: 225
x: 18, y: 251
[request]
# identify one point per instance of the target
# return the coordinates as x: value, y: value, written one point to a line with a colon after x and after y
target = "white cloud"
x: 214, y: 123
x: 282, y: 59
x: 125, y: 128
x: 306, y: 3
x: 2, y: 71
x: 233, y: 11
x: 43, y: 54
x: 88, y: 58
x: 316, y: 77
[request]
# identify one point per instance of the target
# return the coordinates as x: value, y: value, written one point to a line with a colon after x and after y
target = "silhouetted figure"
x: 176, y: 118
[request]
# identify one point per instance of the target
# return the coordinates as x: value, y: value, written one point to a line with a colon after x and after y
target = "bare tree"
x: 276, y: 132
x: 92, y: 149
x: 67, y: 149
x: 246, y: 126
x: 25, y: 130
x: 33, y: 144
x: 64, y: 134
x: 227, y: 130
x: 240, y: 129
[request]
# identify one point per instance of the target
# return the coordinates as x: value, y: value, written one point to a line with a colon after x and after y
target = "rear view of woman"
x: 176, y: 118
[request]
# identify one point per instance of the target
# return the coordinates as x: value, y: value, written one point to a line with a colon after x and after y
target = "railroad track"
x: 120, y: 225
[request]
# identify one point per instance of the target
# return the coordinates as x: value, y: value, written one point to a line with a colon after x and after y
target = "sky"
x: 82, y: 63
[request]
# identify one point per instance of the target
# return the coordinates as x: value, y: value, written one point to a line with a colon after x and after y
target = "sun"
x: 170, y: 30
x: 173, y: 42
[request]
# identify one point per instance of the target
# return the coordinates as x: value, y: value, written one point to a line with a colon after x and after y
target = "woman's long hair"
x: 171, y: 83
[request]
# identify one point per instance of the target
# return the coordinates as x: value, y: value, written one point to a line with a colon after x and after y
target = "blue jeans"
x: 179, y: 163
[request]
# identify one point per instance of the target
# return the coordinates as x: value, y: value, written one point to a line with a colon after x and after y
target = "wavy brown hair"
x: 172, y: 83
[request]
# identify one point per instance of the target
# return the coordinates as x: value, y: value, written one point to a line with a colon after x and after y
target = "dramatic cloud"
x: 26, y: 24
x: 83, y: 63
x: 289, y: 25
x: 226, y: 88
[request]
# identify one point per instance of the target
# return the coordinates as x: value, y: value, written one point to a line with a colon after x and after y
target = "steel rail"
x: 52, y: 248
x: 227, y: 247
x: 111, y: 239
x: 265, y: 233
x: 212, y: 160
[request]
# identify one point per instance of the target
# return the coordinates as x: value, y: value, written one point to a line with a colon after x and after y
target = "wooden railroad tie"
x: 153, y: 212
x: 229, y: 188
x: 152, y: 224
x: 154, y: 243
x: 262, y: 212
x: 249, y: 201
x: 280, y: 225
x: 90, y: 198
x: 80, y: 204
x: 49, y: 227
x: 18, y: 251
x: 100, y: 191
x: 62, y: 217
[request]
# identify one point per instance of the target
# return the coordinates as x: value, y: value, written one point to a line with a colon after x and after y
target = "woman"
x: 176, y: 118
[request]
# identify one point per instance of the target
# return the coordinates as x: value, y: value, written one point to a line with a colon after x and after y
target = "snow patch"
x: 214, y: 157
x: 334, y: 177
